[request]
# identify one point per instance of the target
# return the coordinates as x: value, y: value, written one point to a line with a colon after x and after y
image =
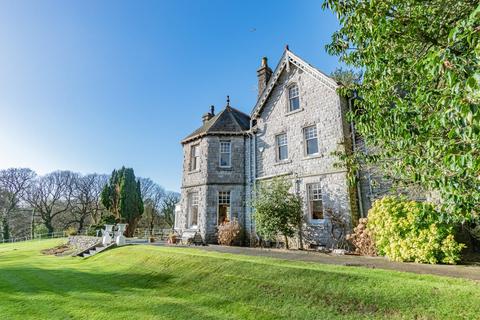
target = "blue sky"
x: 90, y: 86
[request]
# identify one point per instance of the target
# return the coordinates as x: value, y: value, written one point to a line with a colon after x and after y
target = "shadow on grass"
x: 33, y: 280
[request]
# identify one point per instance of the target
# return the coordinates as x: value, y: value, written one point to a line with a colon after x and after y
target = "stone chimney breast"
x: 209, y: 115
x: 263, y: 74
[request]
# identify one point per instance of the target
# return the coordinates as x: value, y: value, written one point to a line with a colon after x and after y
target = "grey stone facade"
x: 255, y: 153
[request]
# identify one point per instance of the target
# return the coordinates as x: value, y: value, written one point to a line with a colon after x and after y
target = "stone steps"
x: 95, y: 250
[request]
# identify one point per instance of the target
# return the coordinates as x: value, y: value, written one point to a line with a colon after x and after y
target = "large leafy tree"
x: 123, y: 198
x: 277, y: 210
x: 419, y: 99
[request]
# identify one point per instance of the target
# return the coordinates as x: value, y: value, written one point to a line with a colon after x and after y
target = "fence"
x: 144, y: 233
x: 60, y: 234
x: 160, y: 234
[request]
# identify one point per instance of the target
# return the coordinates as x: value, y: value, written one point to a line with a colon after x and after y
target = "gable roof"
x: 229, y: 121
x: 288, y: 58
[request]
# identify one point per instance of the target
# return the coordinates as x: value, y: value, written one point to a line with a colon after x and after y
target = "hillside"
x: 144, y: 282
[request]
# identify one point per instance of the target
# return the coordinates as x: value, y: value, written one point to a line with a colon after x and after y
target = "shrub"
x: 362, y: 239
x: 71, y: 231
x: 229, y: 233
x: 411, y: 231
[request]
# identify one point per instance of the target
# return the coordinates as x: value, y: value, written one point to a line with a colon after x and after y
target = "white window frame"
x: 283, y: 143
x: 311, y: 196
x: 224, y: 152
x: 292, y: 97
x: 224, y: 198
x: 194, y: 157
x: 192, y: 200
x: 306, y: 139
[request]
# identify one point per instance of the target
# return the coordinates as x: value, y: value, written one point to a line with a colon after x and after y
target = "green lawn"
x: 144, y: 282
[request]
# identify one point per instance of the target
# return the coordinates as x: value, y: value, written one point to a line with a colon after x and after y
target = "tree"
x: 86, y: 199
x: 14, y: 183
x: 168, y: 208
x: 277, y: 210
x: 153, y: 205
x: 122, y: 197
x: 346, y: 77
x: 50, y: 196
x: 418, y: 109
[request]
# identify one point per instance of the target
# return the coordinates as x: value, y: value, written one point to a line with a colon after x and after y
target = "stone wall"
x: 322, y: 107
x: 210, y: 179
x: 80, y: 243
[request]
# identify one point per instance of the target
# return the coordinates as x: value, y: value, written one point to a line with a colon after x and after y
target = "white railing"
x: 145, y: 233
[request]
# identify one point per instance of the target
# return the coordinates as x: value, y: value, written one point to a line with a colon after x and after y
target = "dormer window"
x: 225, y: 154
x: 194, y: 158
x: 293, y: 98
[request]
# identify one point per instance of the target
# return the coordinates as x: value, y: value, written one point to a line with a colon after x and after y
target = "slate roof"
x: 229, y: 121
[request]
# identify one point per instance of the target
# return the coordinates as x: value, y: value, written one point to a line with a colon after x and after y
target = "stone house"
x: 295, y: 126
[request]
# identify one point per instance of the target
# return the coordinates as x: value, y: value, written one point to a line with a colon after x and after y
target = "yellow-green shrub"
x: 411, y: 231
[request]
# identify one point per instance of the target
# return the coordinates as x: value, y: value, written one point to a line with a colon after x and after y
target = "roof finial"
x: 228, y: 101
x: 287, y: 48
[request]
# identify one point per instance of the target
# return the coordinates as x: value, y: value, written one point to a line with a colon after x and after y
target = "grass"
x: 144, y: 282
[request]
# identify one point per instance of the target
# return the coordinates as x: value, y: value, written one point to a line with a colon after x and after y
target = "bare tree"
x: 168, y: 208
x: 85, y: 204
x: 14, y: 183
x: 153, y: 205
x: 99, y: 183
x: 51, y: 195
x: 147, y: 188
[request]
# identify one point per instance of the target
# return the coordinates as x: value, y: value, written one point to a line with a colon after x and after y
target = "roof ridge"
x: 283, y: 63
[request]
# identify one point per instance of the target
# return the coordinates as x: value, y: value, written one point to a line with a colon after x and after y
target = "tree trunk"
x: 49, y: 226
x: 286, y: 243
x: 81, y: 223
x: 300, y: 235
x: 131, y: 226
x: 5, y: 228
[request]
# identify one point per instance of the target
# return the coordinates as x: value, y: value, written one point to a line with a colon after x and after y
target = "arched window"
x: 293, y: 98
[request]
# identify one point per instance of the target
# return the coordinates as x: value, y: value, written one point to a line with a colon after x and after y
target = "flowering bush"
x: 229, y: 233
x: 411, y: 231
x: 362, y: 239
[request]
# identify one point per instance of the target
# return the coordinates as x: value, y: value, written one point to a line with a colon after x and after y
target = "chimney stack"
x: 263, y: 73
x: 209, y: 115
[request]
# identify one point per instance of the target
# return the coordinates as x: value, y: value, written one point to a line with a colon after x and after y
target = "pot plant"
x: 172, y: 238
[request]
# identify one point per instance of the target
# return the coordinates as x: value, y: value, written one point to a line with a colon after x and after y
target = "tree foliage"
x: 122, y: 197
x: 419, y: 97
x: 277, y: 210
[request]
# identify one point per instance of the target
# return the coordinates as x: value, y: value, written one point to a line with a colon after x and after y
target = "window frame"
x: 310, y: 196
x: 290, y: 98
x: 192, y: 200
x: 220, y: 152
x: 195, y: 157
x: 221, y: 195
x: 278, y: 146
x: 305, y: 140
